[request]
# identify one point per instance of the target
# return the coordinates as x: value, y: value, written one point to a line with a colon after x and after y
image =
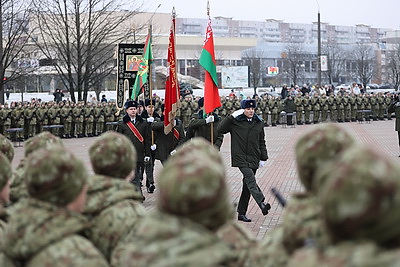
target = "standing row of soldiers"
x: 309, y: 109
x: 82, y: 120
x: 75, y: 120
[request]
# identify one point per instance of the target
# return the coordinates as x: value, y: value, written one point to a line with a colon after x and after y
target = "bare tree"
x: 14, y: 34
x: 253, y: 59
x: 81, y: 37
x: 364, y: 58
x: 393, y: 67
x: 336, y: 61
x: 294, y: 61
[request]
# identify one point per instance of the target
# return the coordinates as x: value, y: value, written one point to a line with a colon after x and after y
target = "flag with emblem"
x: 207, y: 61
x: 142, y: 75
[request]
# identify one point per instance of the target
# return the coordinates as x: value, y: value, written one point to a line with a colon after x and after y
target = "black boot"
x: 265, y: 208
x: 243, y: 218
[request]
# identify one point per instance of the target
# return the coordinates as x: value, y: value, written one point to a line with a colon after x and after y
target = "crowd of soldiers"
x: 58, y: 214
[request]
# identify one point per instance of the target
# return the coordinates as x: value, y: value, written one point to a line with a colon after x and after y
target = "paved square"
x: 280, y: 170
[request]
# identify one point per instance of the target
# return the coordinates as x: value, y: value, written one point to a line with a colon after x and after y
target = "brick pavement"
x: 280, y: 170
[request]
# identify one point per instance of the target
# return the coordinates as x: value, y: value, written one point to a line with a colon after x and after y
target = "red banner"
x: 171, y: 103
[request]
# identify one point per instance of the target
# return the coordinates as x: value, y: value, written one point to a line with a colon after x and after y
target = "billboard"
x: 234, y: 76
x: 273, y: 70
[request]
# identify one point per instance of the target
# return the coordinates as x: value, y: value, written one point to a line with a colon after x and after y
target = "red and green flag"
x: 207, y: 61
x: 142, y: 75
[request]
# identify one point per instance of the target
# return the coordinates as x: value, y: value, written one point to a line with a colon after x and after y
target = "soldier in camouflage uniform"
x: 360, y: 106
x: 41, y: 117
x: 188, y: 107
x: 316, y: 108
x: 44, y: 229
x: 323, y: 103
x: 340, y: 107
x: 53, y: 115
x: 275, y: 106
x: 388, y: 101
x: 109, y: 116
x: 89, y: 120
x: 367, y: 106
x: 113, y: 204
x: 5, y: 178
x: 373, y: 100
x: 5, y: 119
x: 307, y: 108
x: 6, y: 147
x: 299, y: 108
x: 346, y: 107
x: 78, y: 114
x: 302, y: 224
x: 193, y: 203
x: 18, y: 184
x: 382, y: 107
x: 66, y: 117
x: 332, y: 108
x: 360, y: 201
x: 99, y: 118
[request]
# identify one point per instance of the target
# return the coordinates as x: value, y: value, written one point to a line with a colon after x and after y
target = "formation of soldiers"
x: 86, y: 120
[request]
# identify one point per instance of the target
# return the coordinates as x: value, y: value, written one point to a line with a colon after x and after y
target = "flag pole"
x: 212, y: 123
x: 150, y: 86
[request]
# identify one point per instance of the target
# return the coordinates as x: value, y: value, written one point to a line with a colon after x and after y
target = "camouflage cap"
x: 361, y: 196
x: 5, y: 171
x: 192, y: 184
x: 113, y: 154
x: 320, y: 144
x: 42, y: 140
x: 54, y: 175
x: 6, y: 147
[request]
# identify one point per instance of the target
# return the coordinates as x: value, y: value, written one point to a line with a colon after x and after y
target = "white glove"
x: 174, y: 123
x: 150, y: 119
x: 153, y: 147
x: 172, y: 152
x: 146, y: 159
x: 210, y: 119
x: 262, y: 163
x: 237, y: 113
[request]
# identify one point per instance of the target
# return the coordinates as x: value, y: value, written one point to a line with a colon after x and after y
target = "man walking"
x: 248, y: 153
x: 135, y: 128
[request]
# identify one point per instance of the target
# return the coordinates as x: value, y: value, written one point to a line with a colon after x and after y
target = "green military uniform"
x: 89, y: 120
x: 66, y: 117
x: 323, y: 102
x: 182, y: 235
x: 78, y: 115
x: 316, y: 108
x: 299, y: 108
x: 99, y: 119
x: 332, y: 108
x: 44, y: 229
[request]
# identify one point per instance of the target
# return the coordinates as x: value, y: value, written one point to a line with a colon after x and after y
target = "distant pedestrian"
x: 58, y: 95
x: 103, y: 99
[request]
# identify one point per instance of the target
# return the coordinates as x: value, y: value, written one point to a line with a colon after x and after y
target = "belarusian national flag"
x: 171, y: 102
x: 144, y: 65
x: 207, y: 60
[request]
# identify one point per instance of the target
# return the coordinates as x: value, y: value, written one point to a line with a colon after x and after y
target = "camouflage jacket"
x: 164, y: 240
x: 42, y: 234
x: 18, y: 186
x: 3, y: 224
x: 238, y: 238
x: 302, y: 223
x: 349, y: 253
x: 113, y: 206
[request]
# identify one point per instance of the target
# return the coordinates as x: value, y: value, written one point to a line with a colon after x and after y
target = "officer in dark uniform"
x: 248, y: 153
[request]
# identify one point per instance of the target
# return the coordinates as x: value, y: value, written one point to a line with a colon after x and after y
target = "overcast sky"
x: 376, y: 13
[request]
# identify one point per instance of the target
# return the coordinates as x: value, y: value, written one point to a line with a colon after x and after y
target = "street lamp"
x: 319, y: 47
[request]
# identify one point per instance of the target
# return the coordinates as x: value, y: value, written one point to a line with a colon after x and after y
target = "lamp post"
x: 319, y: 47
